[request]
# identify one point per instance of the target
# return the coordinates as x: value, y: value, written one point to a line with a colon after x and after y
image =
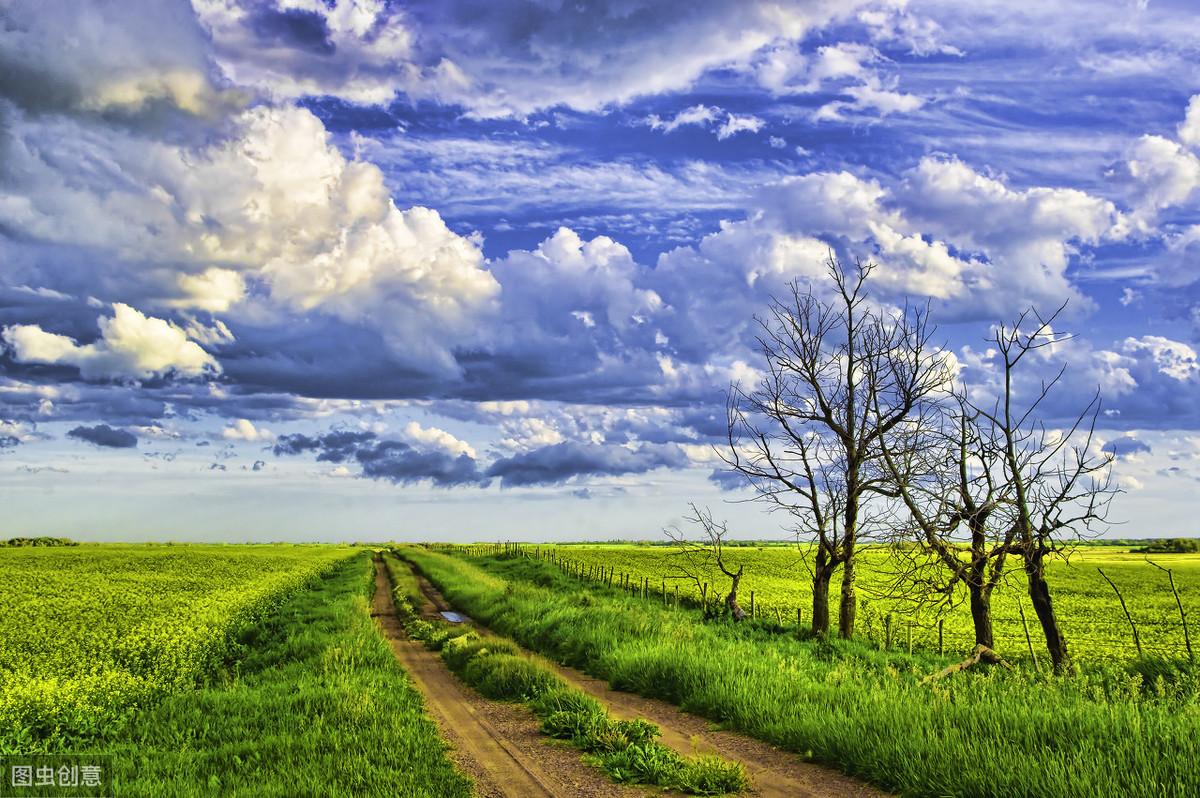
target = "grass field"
x: 317, y: 707
x: 1106, y: 731
x: 90, y: 634
x: 1088, y: 608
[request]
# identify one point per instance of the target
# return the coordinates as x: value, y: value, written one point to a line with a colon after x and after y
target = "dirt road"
x: 499, y: 745
x: 775, y: 773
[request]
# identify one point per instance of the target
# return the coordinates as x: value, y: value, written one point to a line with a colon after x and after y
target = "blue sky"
x: 316, y: 269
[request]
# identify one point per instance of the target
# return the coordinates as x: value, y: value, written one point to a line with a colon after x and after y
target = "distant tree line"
x: 40, y: 541
x: 1170, y: 546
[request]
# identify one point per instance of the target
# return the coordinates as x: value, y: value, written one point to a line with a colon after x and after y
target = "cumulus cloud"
x: 432, y: 436
x: 105, y: 436
x: 1162, y: 174
x: 131, y: 346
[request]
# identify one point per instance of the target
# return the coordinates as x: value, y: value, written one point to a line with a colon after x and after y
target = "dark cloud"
x: 1124, y: 447
x: 552, y: 465
x: 726, y: 479
x: 402, y: 464
x: 8, y: 441
x: 337, y: 446
x: 296, y: 28
x: 105, y: 436
x: 390, y: 460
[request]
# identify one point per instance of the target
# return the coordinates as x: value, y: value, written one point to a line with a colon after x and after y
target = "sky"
x: 485, y: 269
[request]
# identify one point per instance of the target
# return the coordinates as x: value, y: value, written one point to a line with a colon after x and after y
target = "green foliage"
x: 509, y: 677
x: 1109, y: 730
x: 89, y: 635
x: 458, y: 651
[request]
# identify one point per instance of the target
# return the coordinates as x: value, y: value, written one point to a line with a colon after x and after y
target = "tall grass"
x: 318, y: 707
x: 1107, y: 731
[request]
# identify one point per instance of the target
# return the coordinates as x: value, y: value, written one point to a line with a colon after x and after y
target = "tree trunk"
x: 981, y: 615
x: 822, y: 573
x: 1039, y: 595
x: 848, y: 608
x: 735, y: 610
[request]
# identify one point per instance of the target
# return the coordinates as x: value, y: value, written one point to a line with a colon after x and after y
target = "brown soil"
x: 775, y: 773
x: 498, y: 745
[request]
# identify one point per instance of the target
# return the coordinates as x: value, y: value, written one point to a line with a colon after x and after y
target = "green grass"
x: 1106, y: 731
x: 91, y: 634
x: 317, y: 707
x: 1089, y: 610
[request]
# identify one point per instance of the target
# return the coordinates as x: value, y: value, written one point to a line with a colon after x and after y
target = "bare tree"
x: 838, y: 375
x: 1058, y: 488
x: 695, y: 557
x: 950, y: 479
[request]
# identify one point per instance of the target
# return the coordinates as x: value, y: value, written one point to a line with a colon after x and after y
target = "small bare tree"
x: 1057, y: 486
x: 695, y: 557
x: 838, y: 375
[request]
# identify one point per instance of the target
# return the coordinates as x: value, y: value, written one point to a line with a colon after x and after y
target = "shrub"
x: 509, y: 677
x: 457, y: 652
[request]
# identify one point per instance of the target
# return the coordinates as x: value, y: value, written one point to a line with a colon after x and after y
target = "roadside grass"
x: 625, y: 750
x: 1106, y: 731
x: 317, y: 707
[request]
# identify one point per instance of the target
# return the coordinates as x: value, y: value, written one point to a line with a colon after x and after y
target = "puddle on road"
x: 452, y: 617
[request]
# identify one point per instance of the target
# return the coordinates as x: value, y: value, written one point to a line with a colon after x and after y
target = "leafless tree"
x: 695, y: 557
x: 950, y: 479
x: 838, y: 375
x: 1057, y: 486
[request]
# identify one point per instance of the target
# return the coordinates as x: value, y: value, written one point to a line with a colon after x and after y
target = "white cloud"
x: 1163, y: 174
x: 730, y: 124
x: 215, y: 290
x: 700, y: 115
x: 739, y: 123
x: 1175, y: 359
x: 1189, y: 129
x: 433, y: 436
x: 244, y: 430
x: 131, y: 346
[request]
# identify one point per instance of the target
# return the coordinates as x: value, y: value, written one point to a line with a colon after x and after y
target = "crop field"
x: 1090, y: 611
x: 89, y: 634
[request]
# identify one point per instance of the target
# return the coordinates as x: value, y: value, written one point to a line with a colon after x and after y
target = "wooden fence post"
x: 941, y: 648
